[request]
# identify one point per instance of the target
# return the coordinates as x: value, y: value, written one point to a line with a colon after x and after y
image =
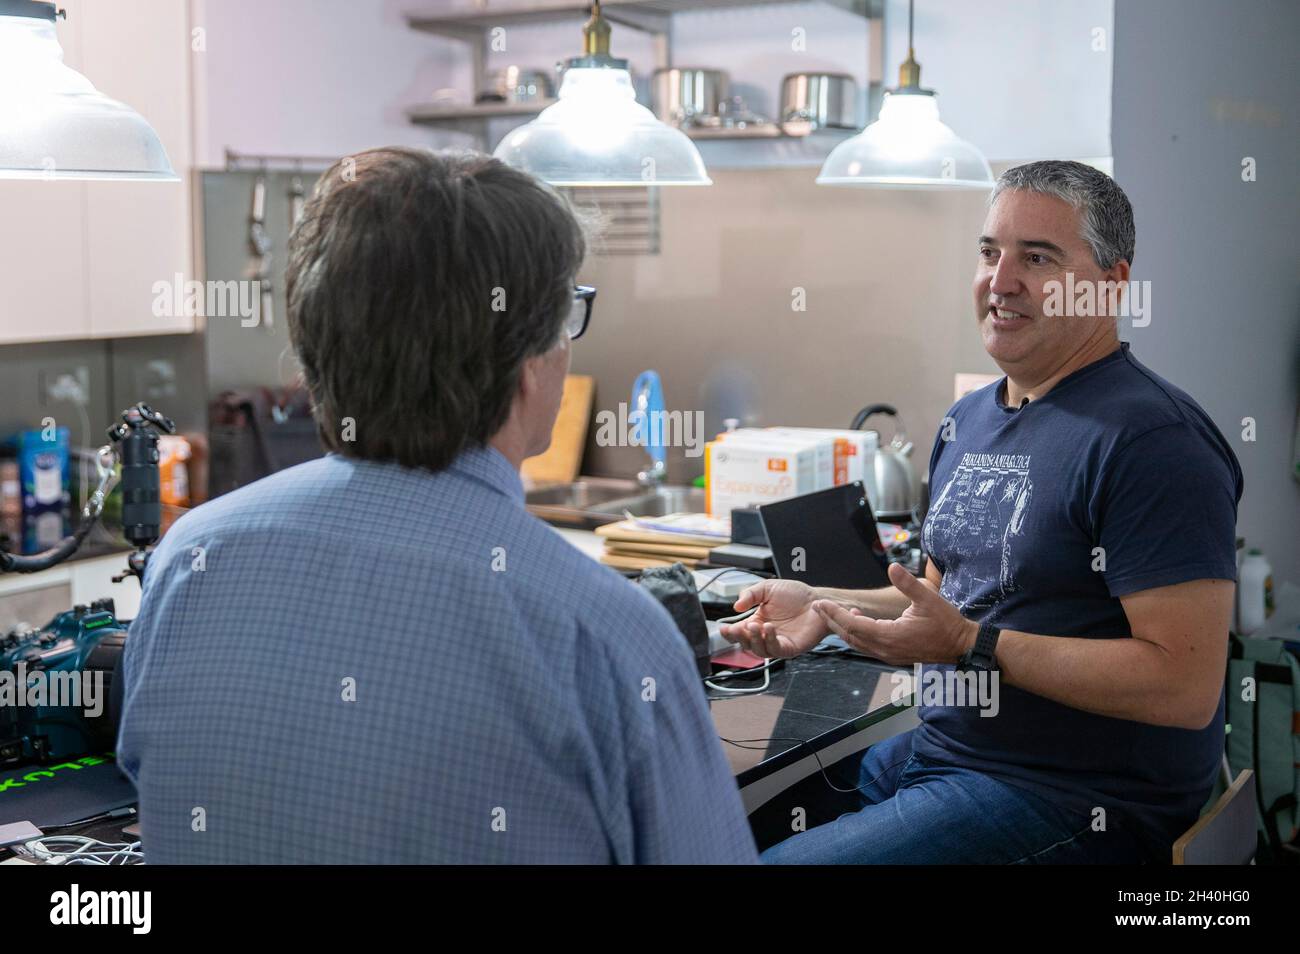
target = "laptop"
x: 827, y: 538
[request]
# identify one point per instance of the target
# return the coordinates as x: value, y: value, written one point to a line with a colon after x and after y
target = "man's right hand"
x: 785, y: 624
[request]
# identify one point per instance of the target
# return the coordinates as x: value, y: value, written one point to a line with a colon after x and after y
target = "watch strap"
x: 981, y: 655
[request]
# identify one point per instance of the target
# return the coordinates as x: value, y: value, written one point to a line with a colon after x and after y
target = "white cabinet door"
x: 42, y: 247
x: 80, y: 259
x: 139, y: 233
x: 42, y: 261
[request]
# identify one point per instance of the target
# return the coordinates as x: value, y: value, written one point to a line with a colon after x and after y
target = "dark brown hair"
x: 417, y: 285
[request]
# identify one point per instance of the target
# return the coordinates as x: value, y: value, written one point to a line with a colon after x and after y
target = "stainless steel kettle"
x: 897, y: 488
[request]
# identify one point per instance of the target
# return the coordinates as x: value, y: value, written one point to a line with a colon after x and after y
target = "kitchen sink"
x: 582, y: 493
x: 656, y: 503
x: 591, y: 501
x: 569, y: 505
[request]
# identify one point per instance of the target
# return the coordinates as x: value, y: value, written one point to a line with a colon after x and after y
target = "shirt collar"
x: 489, y: 466
x: 1119, y: 354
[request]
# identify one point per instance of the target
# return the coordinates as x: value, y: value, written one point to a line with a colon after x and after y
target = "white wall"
x: 314, y: 77
x: 1020, y: 79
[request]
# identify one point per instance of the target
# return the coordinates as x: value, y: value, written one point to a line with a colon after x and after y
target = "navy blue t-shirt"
x: 1112, y: 457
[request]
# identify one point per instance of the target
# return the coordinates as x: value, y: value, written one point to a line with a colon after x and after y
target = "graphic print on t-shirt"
x: 973, y: 526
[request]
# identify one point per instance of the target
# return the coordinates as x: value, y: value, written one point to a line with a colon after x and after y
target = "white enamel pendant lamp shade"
x: 907, y: 147
x: 54, y: 124
x: 597, y: 134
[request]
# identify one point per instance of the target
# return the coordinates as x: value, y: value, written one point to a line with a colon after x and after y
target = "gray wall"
x: 889, y: 316
x: 239, y: 358
x: 1200, y: 84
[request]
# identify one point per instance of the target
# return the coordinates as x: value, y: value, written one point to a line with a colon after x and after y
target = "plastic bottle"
x: 1254, y: 592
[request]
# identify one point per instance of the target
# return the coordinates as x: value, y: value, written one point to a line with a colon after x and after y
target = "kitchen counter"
x: 584, y: 540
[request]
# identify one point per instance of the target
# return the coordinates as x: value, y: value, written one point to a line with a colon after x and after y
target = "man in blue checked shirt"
x: 380, y: 656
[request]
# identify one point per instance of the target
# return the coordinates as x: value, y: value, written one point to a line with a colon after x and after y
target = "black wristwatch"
x: 979, y: 658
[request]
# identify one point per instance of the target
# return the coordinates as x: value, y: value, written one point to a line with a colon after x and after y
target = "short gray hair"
x: 1104, y: 209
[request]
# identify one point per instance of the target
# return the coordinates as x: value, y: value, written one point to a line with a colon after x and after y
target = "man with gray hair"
x: 1070, y: 635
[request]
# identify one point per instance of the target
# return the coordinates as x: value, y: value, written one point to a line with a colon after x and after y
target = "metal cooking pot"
x: 823, y: 100
x: 515, y: 84
x: 685, y: 96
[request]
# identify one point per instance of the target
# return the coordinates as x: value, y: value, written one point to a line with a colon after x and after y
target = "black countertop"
x: 819, y: 691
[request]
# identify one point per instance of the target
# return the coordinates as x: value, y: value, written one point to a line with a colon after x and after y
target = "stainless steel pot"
x: 823, y: 100
x: 515, y: 84
x: 685, y: 96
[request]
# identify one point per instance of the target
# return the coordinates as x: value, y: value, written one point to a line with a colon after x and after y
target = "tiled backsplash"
x: 166, y: 371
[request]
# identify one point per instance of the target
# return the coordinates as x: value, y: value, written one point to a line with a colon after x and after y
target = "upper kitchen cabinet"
x: 80, y: 259
x: 42, y: 256
x: 42, y: 261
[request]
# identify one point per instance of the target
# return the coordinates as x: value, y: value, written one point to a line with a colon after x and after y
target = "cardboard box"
x: 744, y: 472
x: 823, y: 446
x: 855, y: 454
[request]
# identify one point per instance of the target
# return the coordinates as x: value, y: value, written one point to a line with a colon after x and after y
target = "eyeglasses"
x: 580, y: 313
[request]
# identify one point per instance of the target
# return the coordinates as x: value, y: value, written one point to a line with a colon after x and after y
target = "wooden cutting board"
x: 666, y: 551
x: 624, y: 562
x: 563, y: 459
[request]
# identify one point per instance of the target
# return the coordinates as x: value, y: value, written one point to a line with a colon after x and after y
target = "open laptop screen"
x: 826, y: 538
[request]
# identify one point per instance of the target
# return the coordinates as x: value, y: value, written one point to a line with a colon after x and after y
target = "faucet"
x: 648, y: 411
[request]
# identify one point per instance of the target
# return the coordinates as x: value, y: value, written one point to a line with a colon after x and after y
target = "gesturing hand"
x: 786, y: 623
x: 931, y: 630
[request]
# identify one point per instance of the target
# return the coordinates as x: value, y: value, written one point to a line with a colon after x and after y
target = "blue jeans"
x: 916, y: 811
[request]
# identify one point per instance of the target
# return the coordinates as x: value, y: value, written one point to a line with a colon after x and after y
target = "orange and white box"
x: 824, y: 447
x: 742, y: 472
x: 855, y: 453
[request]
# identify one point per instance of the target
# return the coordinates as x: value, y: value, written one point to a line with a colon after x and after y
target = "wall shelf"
x: 474, y: 22
x: 472, y: 119
x: 651, y: 16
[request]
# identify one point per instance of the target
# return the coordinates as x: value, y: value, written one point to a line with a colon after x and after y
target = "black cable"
x: 857, y: 789
x: 731, y: 569
x: 753, y: 748
x: 127, y: 812
x: 737, y: 673
x: 14, y: 563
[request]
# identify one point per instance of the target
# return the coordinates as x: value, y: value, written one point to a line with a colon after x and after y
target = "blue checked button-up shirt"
x: 350, y: 661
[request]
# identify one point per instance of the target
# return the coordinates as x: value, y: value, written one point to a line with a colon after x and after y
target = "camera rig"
x: 133, y: 449
x: 68, y: 672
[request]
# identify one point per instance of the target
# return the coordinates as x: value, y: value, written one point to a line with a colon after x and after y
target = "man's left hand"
x: 931, y: 630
